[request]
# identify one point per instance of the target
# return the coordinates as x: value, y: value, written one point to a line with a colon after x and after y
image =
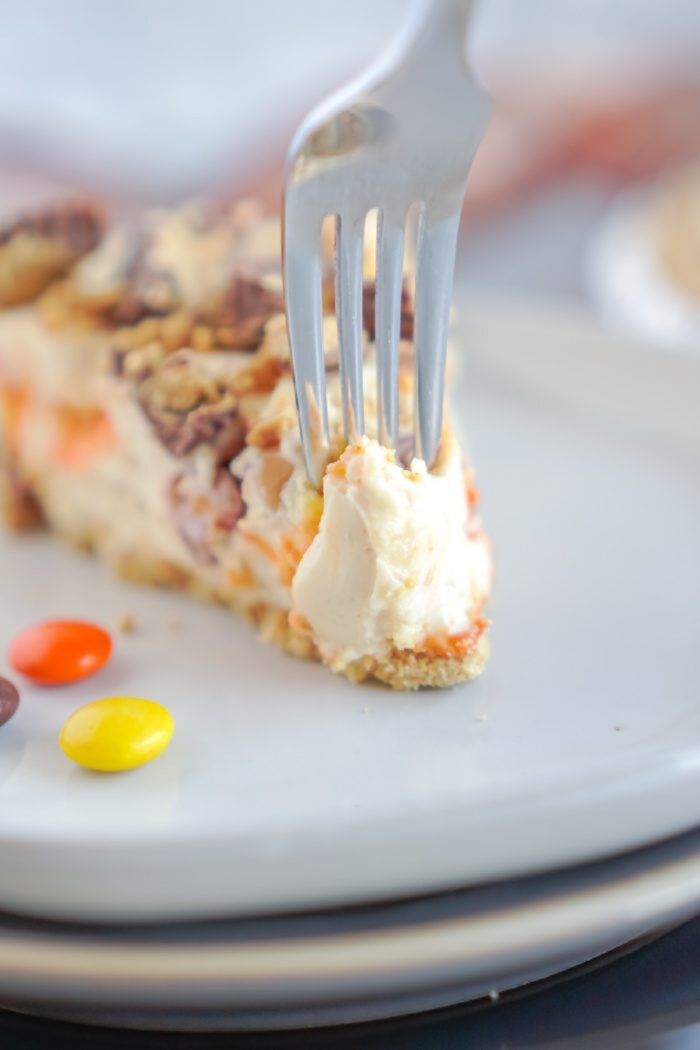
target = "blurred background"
x: 576, y: 191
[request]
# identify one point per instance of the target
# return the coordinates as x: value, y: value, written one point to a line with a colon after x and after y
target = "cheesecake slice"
x: 147, y: 414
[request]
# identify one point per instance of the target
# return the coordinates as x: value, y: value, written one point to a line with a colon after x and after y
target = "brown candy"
x: 37, y: 249
x: 202, y: 517
x: 369, y: 292
x: 244, y: 310
x: 76, y: 224
x: 9, y: 700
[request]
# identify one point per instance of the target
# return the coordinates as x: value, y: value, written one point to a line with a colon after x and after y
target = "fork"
x: 404, y: 133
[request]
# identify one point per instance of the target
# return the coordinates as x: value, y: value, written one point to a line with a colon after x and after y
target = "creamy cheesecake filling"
x: 55, y: 368
x: 393, y: 562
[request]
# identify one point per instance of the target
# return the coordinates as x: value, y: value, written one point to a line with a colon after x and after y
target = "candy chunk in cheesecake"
x: 396, y: 566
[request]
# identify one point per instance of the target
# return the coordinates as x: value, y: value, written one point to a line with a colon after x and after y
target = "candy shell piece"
x: 56, y: 652
x: 9, y: 700
x: 118, y: 733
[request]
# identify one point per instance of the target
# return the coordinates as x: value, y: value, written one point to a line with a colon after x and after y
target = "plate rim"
x: 608, y: 904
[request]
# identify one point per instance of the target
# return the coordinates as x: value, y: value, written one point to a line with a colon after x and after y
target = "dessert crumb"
x: 126, y: 624
x: 617, y: 729
x: 482, y: 718
x: 365, y: 710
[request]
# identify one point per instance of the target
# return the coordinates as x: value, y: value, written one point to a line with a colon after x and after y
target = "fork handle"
x: 435, y: 17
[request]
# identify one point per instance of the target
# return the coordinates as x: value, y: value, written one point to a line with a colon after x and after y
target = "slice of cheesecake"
x: 147, y: 413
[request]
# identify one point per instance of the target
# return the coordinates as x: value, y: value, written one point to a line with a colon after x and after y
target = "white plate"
x: 353, y: 965
x: 287, y: 787
x: 628, y: 282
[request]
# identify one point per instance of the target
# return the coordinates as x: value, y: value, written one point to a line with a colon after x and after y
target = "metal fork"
x: 405, y: 133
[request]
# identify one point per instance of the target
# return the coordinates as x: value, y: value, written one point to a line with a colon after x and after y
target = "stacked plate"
x: 308, y: 851
x: 628, y: 280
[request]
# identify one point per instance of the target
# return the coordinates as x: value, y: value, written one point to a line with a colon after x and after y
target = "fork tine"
x: 390, y: 247
x: 437, y: 245
x: 302, y: 283
x: 349, y: 239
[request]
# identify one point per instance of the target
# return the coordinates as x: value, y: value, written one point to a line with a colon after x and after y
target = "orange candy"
x: 60, y: 651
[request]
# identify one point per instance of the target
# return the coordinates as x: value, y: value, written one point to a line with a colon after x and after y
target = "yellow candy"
x: 118, y: 733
